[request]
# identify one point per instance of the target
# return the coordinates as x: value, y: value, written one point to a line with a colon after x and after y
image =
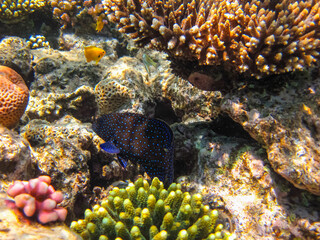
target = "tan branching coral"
x: 67, y: 11
x: 253, y: 37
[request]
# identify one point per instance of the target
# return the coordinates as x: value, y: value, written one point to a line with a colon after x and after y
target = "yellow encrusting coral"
x: 16, y: 10
x: 143, y: 211
x: 253, y: 37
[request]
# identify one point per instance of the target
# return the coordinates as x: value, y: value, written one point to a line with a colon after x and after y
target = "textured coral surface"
x: 14, y: 95
x: 254, y: 37
x: 286, y: 121
x: 233, y: 174
x: 111, y: 95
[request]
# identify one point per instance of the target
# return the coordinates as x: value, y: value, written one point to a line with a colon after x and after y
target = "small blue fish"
x: 134, y: 137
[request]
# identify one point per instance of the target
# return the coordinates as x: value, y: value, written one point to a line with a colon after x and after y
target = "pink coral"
x: 38, y: 198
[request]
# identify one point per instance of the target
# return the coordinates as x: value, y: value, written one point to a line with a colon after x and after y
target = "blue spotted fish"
x: 133, y: 137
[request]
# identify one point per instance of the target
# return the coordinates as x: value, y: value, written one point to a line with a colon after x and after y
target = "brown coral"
x: 111, y: 95
x: 253, y: 37
x: 14, y: 96
x: 67, y: 11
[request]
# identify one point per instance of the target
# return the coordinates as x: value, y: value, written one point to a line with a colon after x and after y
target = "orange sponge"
x: 14, y: 95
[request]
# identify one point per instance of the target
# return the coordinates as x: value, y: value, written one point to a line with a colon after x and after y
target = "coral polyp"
x: 143, y: 211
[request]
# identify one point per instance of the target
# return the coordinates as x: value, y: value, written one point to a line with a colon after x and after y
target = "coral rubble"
x: 14, y: 95
x: 143, y: 211
x: 253, y: 37
x: 38, y: 198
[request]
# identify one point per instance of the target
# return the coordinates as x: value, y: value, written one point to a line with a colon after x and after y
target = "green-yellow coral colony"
x: 142, y: 212
x: 257, y: 37
x: 15, y: 10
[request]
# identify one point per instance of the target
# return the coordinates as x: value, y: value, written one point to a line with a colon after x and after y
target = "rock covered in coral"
x: 53, y: 106
x: 148, y: 89
x: 14, y: 95
x: 257, y: 38
x: 15, y: 53
x: 13, y: 226
x: 151, y: 212
x: 61, y: 76
x: 15, y: 156
x: 37, y: 197
x: 233, y: 174
x: 61, y: 150
x: 286, y: 121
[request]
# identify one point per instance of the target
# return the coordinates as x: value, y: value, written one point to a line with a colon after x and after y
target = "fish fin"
x: 123, y: 162
x: 109, y: 147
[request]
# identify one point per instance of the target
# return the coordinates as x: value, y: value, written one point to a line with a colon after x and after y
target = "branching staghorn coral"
x: 142, y: 211
x: 253, y: 37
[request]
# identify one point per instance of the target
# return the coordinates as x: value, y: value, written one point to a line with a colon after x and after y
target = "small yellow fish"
x: 100, y: 24
x: 306, y: 109
x: 93, y: 53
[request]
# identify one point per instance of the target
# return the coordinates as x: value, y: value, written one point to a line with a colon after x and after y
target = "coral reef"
x: 61, y: 75
x: 38, y: 198
x: 233, y: 175
x: 285, y: 121
x: 253, y: 37
x: 15, y: 156
x: 143, y: 211
x: 14, y: 95
x: 259, y: 205
x: 187, y: 101
x: 111, y: 95
x: 12, y: 11
x: 61, y: 150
